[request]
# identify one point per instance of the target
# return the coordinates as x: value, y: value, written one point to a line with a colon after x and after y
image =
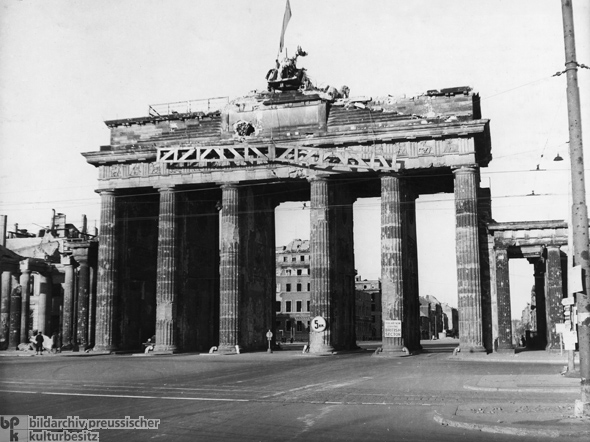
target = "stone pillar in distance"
x: 553, y: 297
x: 540, y: 308
x: 15, y: 316
x: 166, y: 273
x: 67, y: 311
x: 320, y: 264
x: 83, y: 295
x: 230, y: 278
x: 25, y: 282
x: 44, y: 304
x: 468, y: 265
x: 107, y: 273
x: 5, y: 308
x: 505, y: 339
x: 392, y: 284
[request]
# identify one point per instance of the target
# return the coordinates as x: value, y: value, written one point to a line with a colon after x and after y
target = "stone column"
x: 82, y: 317
x: 5, y: 308
x: 25, y: 282
x: 15, y: 316
x: 540, y: 310
x: 468, y: 266
x: 320, y: 264
x: 67, y: 326
x: 505, y: 340
x: 553, y: 296
x: 107, y: 273
x: 166, y: 273
x: 229, y: 268
x: 44, y: 304
x: 392, y: 284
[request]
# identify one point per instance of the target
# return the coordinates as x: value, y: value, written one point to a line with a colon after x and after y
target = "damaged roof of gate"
x: 298, y: 115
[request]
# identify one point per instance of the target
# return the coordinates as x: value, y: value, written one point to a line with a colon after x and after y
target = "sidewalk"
x: 551, y: 419
x: 526, y: 356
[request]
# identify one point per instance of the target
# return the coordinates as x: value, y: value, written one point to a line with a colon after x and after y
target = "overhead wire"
x: 80, y: 202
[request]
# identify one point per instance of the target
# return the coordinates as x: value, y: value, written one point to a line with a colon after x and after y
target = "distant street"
x: 282, y: 396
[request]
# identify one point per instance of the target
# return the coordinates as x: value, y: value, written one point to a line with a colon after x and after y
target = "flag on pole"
x: 286, y: 19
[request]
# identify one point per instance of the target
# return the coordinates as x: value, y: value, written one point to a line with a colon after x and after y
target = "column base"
x: 165, y: 349
x: 506, y: 349
x: 393, y: 349
x: 472, y: 348
x: 104, y: 348
x: 321, y: 349
x: 228, y: 349
x: 581, y: 408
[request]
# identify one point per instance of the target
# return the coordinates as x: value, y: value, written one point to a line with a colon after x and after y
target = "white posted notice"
x: 393, y: 328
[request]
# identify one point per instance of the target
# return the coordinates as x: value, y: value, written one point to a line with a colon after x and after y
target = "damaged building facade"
x: 187, y: 248
x: 48, y: 284
x: 293, y: 298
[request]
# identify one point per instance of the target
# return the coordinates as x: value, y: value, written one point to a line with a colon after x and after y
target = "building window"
x: 298, y: 287
x: 288, y: 272
x: 299, y: 326
x: 288, y: 287
x: 278, y: 286
x: 372, y: 307
x: 284, y: 259
x: 308, y: 287
x: 293, y: 259
x: 278, y: 306
x: 298, y: 305
x: 288, y: 325
x: 302, y: 258
x: 308, y: 305
x: 299, y: 271
x: 288, y: 306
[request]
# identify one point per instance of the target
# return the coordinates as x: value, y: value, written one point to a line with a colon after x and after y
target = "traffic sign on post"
x: 318, y: 324
x: 269, y: 337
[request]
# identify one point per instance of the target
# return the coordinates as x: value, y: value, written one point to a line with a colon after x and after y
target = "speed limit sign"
x: 318, y: 324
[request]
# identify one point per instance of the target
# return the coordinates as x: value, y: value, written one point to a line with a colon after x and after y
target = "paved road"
x: 282, y: 396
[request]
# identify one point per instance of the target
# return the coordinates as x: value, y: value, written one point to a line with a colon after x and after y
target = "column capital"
x: 468, y: 168
x: 319, y: 177
x: 390, y: 175
x: 231, y: 185
x: 106, y: 191
x: 165, y: 188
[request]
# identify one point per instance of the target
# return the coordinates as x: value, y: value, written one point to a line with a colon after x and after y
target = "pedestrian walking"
x: 39, y: 342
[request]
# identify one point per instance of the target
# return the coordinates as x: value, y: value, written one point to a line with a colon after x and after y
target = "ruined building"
x: 293, y: 296
x: 48, y: 284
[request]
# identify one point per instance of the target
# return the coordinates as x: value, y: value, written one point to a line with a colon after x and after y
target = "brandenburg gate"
x: 187, y: 229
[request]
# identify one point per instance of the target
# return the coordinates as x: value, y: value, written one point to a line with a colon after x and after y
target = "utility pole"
x: 579, y: 209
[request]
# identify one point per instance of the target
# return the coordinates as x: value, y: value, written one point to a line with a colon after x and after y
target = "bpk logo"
x: 14, y: 428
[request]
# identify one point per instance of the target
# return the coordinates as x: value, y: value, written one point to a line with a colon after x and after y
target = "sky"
x: 67, y: 66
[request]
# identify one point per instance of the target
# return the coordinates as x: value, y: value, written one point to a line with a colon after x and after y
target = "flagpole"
x: 286, y: 18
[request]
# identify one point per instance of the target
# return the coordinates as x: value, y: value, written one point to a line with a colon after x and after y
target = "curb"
x: 496, y: 428
x: 516, y: 360
x: 512, y: 430
x: 524, y: 390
